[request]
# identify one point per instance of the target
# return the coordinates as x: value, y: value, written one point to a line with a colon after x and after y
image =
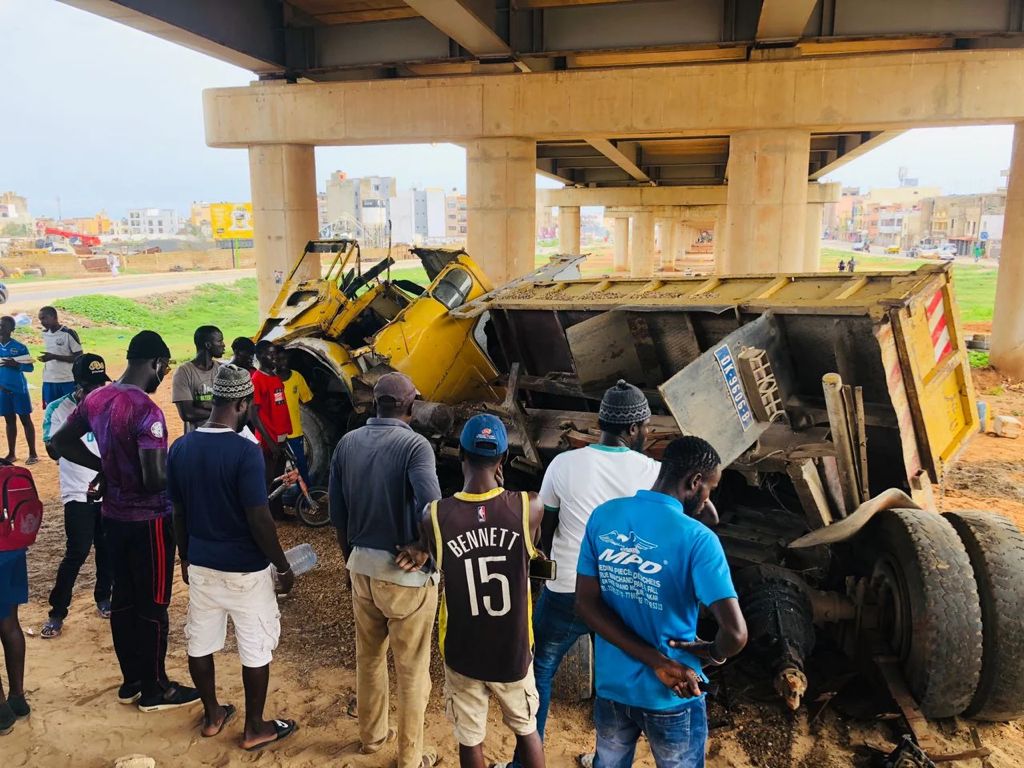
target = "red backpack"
x: 21, y: 512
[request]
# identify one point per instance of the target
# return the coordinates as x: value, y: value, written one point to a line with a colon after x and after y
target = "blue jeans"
x: 298, y: 447
x: 676, y: 738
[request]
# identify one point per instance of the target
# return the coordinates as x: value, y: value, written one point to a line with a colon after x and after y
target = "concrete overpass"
x: 737, y: 103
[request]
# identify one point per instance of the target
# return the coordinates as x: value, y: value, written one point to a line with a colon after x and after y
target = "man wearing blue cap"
x: 483, y: 539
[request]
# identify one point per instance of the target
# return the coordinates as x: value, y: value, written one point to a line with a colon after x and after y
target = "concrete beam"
x: 463, y: 23
x: 249, y: 35
x: 853, y: 153
x: 646, y: 197
x: 619, y: 157
x: 961, y: 87
x: 782, y: 20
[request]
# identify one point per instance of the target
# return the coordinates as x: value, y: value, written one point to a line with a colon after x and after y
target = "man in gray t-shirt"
x: 192, y: 386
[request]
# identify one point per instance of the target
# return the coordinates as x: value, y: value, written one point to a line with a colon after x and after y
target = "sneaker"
x: 7, y: 719
x: 173, y: 695
x: 129, y: 693
x: 19, y: 705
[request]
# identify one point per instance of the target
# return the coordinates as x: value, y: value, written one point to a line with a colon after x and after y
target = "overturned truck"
x: 836, y: 402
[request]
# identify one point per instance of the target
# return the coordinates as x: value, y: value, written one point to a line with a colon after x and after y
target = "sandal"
x: 372, y: 749
x: 282, y: 730
x: 51, y: 629
x: 31, y: 460
x: 229, y: 715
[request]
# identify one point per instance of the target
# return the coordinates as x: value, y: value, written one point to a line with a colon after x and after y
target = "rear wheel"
x: 928, y: 610
x: 996, y: 549
x: 320, y: 440
x: 316, y: 514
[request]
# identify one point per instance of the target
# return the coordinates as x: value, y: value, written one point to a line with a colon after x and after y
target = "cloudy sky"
x: 102, y: 116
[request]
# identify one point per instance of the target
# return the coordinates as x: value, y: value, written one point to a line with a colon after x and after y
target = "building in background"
x: 153, y: 222
x: 97, y: 225
x: 321, y: 210
x: 199, y: 218
x: 966, y: 221
x: 456, y: 217
x: 359, y: 207
x: 14, y: 215
x: 418, y: 217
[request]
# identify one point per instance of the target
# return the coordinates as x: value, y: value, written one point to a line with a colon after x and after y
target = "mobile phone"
x: 542, y: 568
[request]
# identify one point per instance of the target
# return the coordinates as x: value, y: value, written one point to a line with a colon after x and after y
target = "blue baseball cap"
x: 484, y: 435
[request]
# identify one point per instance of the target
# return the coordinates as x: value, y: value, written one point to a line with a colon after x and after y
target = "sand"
x: 76, y: 720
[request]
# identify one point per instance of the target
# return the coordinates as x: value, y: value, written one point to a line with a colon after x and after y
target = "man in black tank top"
x: 482, y: 539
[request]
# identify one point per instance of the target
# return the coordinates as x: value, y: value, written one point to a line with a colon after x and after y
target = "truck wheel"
x: 319, y: 444
x: 928, y: 607
x: 996, y: 548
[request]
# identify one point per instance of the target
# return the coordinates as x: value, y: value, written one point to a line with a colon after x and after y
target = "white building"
x: 418, y: 217
x: 153, y: 221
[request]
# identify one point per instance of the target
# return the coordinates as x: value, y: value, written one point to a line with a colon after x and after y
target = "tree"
x: 16, y: 230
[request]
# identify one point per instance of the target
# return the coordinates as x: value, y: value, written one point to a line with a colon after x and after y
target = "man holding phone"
x: 646, y: 566
x: 482, y: 539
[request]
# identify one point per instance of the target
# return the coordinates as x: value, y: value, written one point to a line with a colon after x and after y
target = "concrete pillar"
x: 767, y: 200
x: 621, y: 238
x: 282, y: 180
x: 686, y: 237
x: 569, y: 229
x: 501, y: 206
x: 1007, y: 353
x: 641, y: 244
x: 812, y: 237
x: 667, y: 240
x: 719, y: 243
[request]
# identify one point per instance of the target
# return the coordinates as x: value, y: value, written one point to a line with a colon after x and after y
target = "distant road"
x: 32, y: 295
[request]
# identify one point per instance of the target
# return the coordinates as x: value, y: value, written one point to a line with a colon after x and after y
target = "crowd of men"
x: 623, y: 544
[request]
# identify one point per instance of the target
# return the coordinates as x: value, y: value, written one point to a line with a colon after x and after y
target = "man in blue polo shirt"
x: 645, y: 567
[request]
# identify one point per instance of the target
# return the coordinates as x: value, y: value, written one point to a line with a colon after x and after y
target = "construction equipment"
x: 835, y: 402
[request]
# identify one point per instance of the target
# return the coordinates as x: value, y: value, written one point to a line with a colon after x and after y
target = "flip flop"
x: 31, y: 460
x: 229, y: 715
x: 51, y: 629
x: 283, y: 729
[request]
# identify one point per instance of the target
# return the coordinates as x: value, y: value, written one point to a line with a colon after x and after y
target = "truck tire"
x: 928, y: 607
x: 996, y: 548
x: 320, y: 441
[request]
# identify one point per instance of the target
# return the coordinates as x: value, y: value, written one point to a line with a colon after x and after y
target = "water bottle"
x: 301, y: 558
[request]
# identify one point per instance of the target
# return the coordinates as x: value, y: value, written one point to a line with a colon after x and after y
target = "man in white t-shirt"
x: 82, y: 520
x: 63, y: 347
x: 574, y: 485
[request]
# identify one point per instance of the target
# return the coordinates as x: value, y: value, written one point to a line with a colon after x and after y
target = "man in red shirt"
x: 270, y: 417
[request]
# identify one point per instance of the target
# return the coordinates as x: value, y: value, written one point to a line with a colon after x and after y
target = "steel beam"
x: 466, y: 23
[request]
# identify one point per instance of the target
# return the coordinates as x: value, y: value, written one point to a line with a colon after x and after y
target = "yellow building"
x: 200, y: 218
x: 100, y: 224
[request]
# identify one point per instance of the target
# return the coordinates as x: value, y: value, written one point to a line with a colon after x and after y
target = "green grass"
x: 107, y: 323
x: 975, y: 285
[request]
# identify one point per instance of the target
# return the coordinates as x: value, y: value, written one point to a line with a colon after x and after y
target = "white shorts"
x: 248, y: 598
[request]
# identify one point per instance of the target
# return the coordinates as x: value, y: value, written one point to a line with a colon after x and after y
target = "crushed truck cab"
x: 835, y: 401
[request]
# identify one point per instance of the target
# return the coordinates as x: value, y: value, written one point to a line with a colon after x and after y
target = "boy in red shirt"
x: 270, y: 417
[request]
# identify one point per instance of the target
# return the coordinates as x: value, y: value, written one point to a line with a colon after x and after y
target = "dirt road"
x: 25, y: 296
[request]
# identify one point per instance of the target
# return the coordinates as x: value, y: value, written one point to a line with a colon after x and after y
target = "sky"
x: 101, y: 116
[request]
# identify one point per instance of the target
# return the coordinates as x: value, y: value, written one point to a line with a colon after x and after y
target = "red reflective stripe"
x: 937, y: 331
x: 936, y: 300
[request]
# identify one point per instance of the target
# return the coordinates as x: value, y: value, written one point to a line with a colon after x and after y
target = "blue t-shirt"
x: 656, y: 566
x: 215, y: 475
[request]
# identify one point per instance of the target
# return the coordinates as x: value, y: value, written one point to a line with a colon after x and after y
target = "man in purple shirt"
x: 131, y: 435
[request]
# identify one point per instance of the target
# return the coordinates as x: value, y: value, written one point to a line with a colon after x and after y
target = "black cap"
x: 90, y: 369
x: 147, y: 345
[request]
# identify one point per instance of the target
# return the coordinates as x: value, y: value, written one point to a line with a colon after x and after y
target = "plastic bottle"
x: 301, y: 558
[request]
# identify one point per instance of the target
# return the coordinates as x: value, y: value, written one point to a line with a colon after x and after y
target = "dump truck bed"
x: 894, y: 334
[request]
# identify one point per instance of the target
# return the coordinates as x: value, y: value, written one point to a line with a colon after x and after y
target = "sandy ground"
x: 77, y: 721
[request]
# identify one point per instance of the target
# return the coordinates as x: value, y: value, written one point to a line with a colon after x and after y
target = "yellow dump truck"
x: 836, y: 402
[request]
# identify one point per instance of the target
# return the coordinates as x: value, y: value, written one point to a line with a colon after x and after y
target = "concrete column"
x: 720, y: 246
x: 282, y: 179
x: 641, y: 244
x: 569, y: 229
x: 501, y: 201
x: 668, y: 241
x: 685, y: 237
x: 621, y: 238
x: 1007, y: 353
x: 767, y: 200
x: 812, y: 237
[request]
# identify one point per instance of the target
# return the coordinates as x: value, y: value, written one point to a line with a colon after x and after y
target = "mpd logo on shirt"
x: 626, y: 549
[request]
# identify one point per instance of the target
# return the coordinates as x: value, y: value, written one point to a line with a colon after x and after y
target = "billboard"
x: 231, y: 221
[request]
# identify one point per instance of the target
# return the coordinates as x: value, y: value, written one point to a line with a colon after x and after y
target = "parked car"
x: 862, y: 246
x: 947, y: 252
x: 893, y: 249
